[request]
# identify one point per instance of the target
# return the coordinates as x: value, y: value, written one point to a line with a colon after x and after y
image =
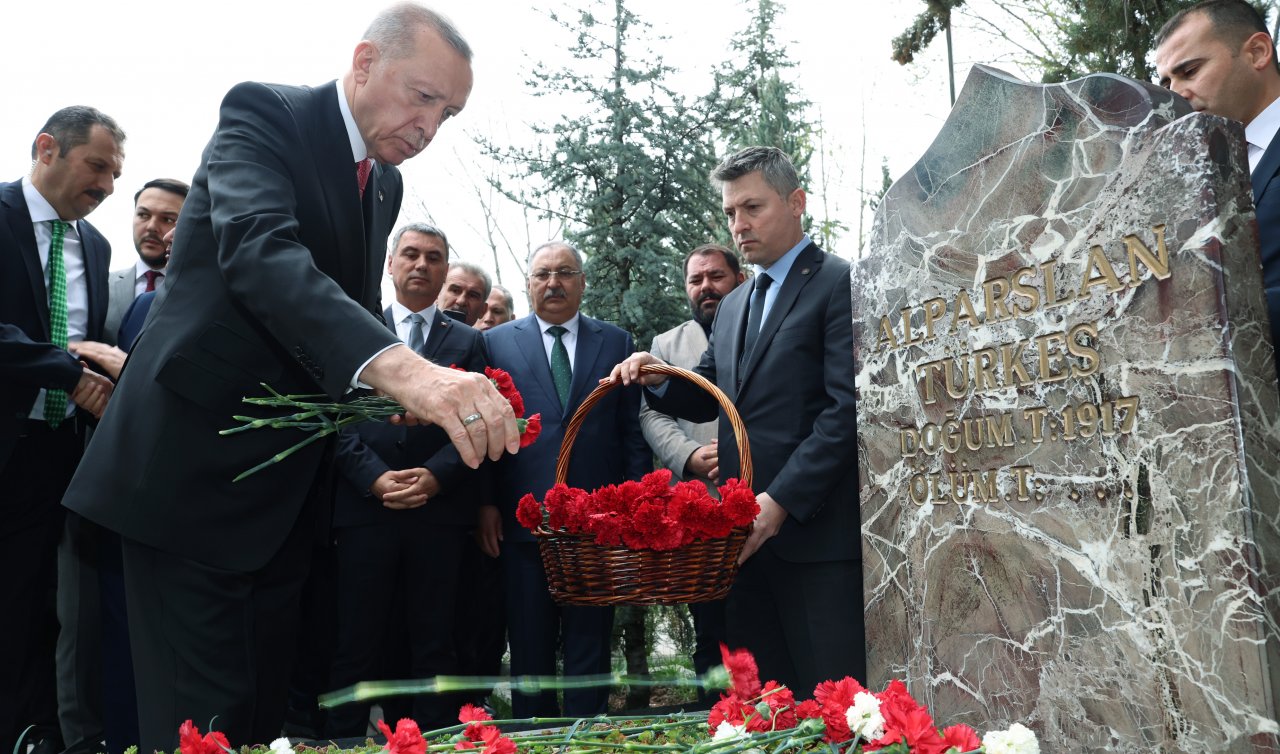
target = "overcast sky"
x: 161, y: 70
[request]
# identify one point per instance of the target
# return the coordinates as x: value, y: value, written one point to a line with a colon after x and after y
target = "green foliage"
x: 629, y: 176
x: 935, y: 18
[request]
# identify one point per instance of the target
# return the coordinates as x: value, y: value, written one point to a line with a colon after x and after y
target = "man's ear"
x: 1260, y: 50
x: 362, y: 61
x: 796, y: 202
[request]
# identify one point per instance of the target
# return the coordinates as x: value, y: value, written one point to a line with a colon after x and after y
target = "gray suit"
x: 674, y: 440
x: 120, y: 293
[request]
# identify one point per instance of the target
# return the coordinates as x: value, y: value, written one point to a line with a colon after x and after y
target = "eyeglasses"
x: 543, y: 276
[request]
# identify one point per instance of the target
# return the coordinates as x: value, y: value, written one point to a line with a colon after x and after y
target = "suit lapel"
x: 529, y: 341
x: 96, y: 262
x: 805, y: 267
x: 589, y: 348
x: 18, y: 218
x: 331, y: 152
x: 1266, y: 171
x: 441, y: 328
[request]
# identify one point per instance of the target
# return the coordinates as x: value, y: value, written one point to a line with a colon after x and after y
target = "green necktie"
x: 561, y: 372
x: 55, y: 401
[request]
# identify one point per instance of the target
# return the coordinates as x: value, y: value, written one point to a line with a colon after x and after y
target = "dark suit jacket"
x: 796, y: 398
x: 1266, y: 197
x: 370, y: 449
x: 28, y: 361
x: 132, y: 320
x: 610, y: 447
x: 274, y: 279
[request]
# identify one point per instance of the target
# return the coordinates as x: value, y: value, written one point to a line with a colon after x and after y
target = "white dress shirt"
x: 140, y: 270
x: 42, y: 216
x: 1260, y: 131
x: 570, y: 338
x: 400, y: 315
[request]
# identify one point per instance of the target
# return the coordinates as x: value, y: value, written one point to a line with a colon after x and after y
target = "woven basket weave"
x: 582, y: 572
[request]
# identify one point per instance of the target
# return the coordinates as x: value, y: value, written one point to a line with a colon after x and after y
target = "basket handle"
x: 735, y: 421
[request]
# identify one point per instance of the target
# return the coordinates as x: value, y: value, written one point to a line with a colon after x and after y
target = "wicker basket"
x: 582, y: 572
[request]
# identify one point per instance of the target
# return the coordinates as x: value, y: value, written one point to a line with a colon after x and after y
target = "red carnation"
x: 532, y: 428
x: 191, y: 742
x: 496, y: 743
x: 809, y: 710
x: 470, y: 713
x: 407, y: 739
x: 506, y: 388
x: 743, y: 672
x: 739, y: 502
x: 529, y: 514
x: 905, y: 718
x: 962, y: 738
x: 835, y: 698
x: 782, y: 705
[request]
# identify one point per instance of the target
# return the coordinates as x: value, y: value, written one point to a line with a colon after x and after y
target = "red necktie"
x: 152, y: 276
x: 363, y: 168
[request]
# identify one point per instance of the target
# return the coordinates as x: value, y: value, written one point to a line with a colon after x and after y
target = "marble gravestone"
x: 1070, y: 464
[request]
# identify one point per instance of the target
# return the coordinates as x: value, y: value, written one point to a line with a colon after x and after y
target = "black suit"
x: 1266, y: 198
x: 274, y: 279
x: 410, y: 557
x: 609, y: 449
x: 797, y: 603
x: 36, y: 462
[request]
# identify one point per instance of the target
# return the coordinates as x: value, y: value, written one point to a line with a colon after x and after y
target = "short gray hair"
x: 425, y: 229
x: 394, y: 29
x: 577, y: 255
x: 773, y: 164
x: 507, y: 298
x: 474, y: 269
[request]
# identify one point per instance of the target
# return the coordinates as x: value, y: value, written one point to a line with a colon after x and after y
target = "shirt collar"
x: 140, y: 269
x: 38, y: 207
x: 779, y: 269
x: 571, y: 325
x: 358, y: 149
x: 399, y: 312
x: 1262, y: 129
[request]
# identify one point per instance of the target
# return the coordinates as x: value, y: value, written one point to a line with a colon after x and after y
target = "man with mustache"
x: 275, y: 280
x: 688, y: 448
x: 466, y: 289
x: 53, y: 290
x: 155, y: 212
x: 556, y: 356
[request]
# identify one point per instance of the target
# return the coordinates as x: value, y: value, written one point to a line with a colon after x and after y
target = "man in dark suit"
x: 404, y: 505
x: 556, y: 356
x: 781, y: 348
x: 155, y: 212
x: 1219, y: 56
x: 274, y: 279
x: 53, y: 289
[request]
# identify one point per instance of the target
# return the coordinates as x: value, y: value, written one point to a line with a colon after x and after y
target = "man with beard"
x: 155, y: 213
x: 689, y: 448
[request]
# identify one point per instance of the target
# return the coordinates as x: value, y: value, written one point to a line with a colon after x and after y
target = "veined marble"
x: 1070, y: 493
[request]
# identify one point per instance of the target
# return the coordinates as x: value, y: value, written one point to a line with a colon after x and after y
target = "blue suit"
x: 609, y: 449
x: 1266, y: 197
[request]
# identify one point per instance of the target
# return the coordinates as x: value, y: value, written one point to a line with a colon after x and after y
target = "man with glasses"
x: 556, y: 356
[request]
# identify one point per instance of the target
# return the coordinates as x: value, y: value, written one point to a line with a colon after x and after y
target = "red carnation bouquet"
x: 319, y: 418
x: 651, y: 514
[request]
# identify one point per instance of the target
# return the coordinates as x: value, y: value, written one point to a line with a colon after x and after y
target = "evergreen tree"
x: 628, y: 176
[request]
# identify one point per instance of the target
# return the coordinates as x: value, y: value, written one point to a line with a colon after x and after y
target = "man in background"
x: 1218, y: 55
x: 53, y: 290
x: 689, y: 449
x: 465, y: 291
x: 499, y: 309
x: 155, y: 212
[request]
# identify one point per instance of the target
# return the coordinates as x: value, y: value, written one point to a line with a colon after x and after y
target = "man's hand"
x: 92, y: 392
x: 110, y: 358
x: 434, y: 394
x: 404, y: 489
x: 704, y: 463
x: 629, y: 370
x: 489, y: 530
x: 767, y: 524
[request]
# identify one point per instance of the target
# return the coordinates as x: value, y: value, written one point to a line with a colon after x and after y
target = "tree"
x: 628, y: 176
x: 757, y: 104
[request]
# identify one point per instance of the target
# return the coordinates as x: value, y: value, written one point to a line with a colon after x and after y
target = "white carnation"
x: 864, y: 717
x: 727, y: 731
x: 1017, y: 740
x: 281, y: 746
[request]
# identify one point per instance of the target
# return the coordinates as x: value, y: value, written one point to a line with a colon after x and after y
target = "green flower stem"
x: 368, y: 690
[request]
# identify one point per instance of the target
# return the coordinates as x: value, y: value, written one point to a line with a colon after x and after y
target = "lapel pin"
x: 379, y: 194
x: 805, y: 271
